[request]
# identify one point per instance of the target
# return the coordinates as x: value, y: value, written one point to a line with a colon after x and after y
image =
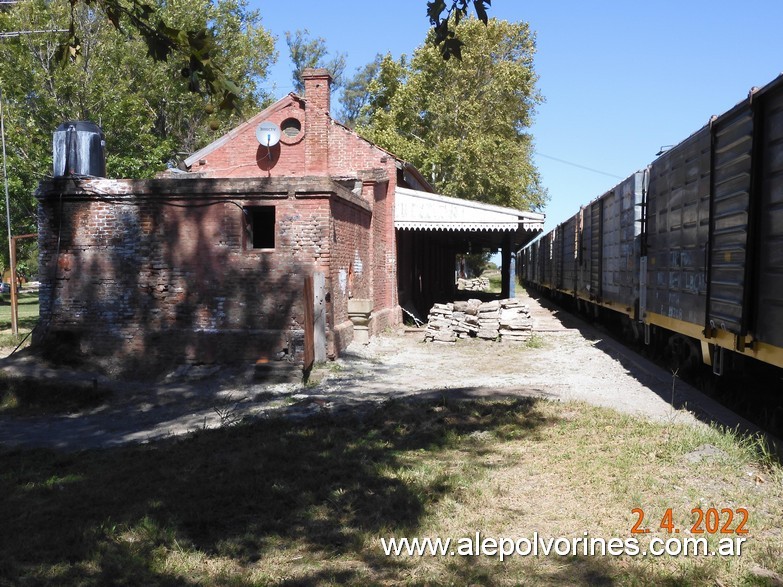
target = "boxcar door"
x: 769, y: 301
x: 596, y: 248
x: 732, y: 158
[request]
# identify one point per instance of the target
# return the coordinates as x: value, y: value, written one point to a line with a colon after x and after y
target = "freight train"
x: 689, y: 251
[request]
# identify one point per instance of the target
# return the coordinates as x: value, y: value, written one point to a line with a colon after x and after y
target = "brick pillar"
x: 317, y: 83
x: 368, y: 194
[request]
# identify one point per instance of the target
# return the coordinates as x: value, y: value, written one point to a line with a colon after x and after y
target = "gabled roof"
x: 418, y: 210
x: 411, y: 175
x: 252, y: 122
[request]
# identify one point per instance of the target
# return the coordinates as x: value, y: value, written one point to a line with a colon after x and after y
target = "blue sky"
x: 620, y: 79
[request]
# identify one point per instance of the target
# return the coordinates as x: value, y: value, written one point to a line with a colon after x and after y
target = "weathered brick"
x: 161, y: 270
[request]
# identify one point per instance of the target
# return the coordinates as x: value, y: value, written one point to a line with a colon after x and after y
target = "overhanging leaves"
x: 195, y: 47
x: 442, y: 17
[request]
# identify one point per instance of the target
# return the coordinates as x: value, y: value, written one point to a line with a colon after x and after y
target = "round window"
x: 291, y: 127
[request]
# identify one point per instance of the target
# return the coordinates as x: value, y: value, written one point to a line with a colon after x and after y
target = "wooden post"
x: 14, y: 301
x: 309, y: 325
x: 14, y: 293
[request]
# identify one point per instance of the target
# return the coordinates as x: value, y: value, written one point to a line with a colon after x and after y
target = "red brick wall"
x: 333, y: 150
x: 351, y: 270
x: 351, y: 155
x: 162, y: 278
x: 154, y: 270
x: 241, y: 155
x: 328, y: 149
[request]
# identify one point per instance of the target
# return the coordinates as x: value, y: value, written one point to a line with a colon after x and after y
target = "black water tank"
x: 79, y: 149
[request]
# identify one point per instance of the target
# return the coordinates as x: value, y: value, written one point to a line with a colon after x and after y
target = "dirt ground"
x: 566, y: 360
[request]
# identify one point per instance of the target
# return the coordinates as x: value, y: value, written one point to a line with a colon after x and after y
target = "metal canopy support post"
x: 512, y: 278
x: 319, y: 317
x: 505, y: 271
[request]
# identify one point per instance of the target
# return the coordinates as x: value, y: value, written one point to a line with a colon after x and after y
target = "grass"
x: 28, y: 318
x: 495, y: 280
x: 321, y: 371
x: 282, y: 503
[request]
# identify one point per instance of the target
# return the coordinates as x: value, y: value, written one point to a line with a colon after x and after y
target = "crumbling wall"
x: 351, y: 267
x: 155, y: 278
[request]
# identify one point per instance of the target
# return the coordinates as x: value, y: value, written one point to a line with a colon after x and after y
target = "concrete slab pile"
x: 509, y: 320
x: 516, y: 322
x: 475, y: 284
x: 439, y: 328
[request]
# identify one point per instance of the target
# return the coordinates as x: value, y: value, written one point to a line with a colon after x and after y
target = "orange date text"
x: 703, y: 521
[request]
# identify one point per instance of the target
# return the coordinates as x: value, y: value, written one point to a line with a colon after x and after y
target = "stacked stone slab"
x: 508, y: 320
x: 489, y: 320
x: 475, y: 284
x: 439, y: 327
x: 516, y: 323
x: 465, y: 322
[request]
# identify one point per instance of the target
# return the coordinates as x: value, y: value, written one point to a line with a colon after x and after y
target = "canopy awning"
x: 416, y: 210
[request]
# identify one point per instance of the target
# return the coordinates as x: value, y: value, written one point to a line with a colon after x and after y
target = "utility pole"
x: 11, y: 251
x: 11, y: 239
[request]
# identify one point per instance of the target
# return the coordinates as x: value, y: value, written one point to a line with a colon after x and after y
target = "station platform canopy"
x: 432, y: 230
x: 417, y: 210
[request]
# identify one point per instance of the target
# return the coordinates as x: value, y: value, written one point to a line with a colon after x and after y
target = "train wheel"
x: 683, y: 354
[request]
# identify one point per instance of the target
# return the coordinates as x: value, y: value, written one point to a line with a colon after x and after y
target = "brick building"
x: 209, y: 265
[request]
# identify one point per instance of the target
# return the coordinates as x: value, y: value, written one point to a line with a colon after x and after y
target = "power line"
x: 12, y: 34
x: 572, y: 164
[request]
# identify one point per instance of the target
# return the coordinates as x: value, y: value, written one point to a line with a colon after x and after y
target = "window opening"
x: 260, y: 227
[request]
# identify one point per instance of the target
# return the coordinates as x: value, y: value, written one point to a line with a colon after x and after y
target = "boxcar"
x: 692, y: 245
x: 715, y: 233
x: 621, y: 244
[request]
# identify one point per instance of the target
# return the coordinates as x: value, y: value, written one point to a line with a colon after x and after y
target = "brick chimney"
x: 317, y: 83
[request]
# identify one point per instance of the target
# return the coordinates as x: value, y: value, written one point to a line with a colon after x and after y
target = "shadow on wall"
x: 136, y: 286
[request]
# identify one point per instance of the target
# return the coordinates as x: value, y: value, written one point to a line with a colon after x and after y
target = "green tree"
x: 464, y: 123
x: 147, y: 114
x: 444, y: 20
x: 306, y: 52
x: 356, y: 92
x: 195, y: 46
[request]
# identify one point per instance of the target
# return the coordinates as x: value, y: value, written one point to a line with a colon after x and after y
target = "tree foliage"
x: 160, y: 76
x: 306, y: 53
x: 146, y: 112
x: 356, y: 93
x: 464, y: 123
x: 196, y: 45
x: 193, y: 41
x: 444, y: 19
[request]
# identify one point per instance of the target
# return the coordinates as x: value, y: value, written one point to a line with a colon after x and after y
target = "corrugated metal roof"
x: 417, y: 210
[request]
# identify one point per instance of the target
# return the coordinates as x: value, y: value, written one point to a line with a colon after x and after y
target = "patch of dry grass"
x: 282, y: 503
x: 588, y: 470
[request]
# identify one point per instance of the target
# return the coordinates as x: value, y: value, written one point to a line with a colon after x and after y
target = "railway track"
x: 748, y: 400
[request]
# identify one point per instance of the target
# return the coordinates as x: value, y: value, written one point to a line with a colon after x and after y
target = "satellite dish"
x: 268, y: 134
